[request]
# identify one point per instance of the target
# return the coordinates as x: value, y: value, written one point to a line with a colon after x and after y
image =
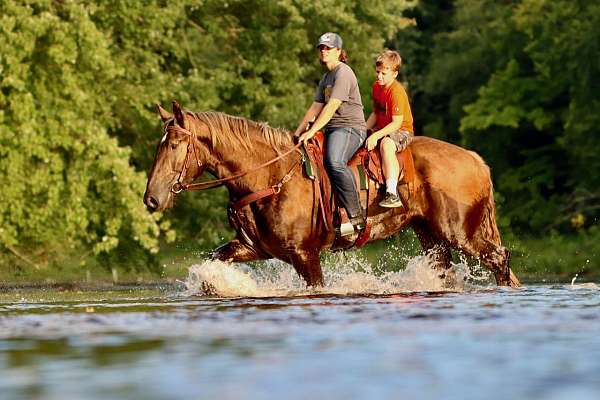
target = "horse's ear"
x: 164, y: 114
x: 178, y: 113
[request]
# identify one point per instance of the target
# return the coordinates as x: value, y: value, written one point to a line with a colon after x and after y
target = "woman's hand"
x: 306, y: 136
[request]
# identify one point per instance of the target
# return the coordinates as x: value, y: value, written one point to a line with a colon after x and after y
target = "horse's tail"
x: 490, y: 229
x: 488, y: 222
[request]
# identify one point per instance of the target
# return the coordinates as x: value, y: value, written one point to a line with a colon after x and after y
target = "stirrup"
x: 345, y: 229
x: 358, y: 223
x: 355, y: 225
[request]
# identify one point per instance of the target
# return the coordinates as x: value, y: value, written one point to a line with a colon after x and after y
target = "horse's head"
x: 178, y: 159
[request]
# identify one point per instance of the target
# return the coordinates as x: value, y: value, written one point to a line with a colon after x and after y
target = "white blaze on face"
x: 166, y: 132
x: 164, y: 137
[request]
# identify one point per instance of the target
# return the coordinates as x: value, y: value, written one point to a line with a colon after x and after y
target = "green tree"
x: 78, y: 84
x: 545, y: 99
x: 517, y: 82
x: 67, y: 184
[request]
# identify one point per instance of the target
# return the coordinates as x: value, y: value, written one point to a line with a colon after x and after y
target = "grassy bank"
x: 558, y: 257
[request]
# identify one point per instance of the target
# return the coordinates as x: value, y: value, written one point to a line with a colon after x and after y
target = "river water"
x: 261, y: 335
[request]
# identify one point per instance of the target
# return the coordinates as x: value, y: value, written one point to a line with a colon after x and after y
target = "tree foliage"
x: 67, y: 185
x: 78, y: 84
x: 517, y: 81
x: 514, y: 80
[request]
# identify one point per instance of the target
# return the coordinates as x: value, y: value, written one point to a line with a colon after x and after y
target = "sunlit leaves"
x: 78, y: 81
x: 65, y: 184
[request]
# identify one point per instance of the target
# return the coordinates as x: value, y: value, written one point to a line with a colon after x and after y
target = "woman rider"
x: 338, y: 108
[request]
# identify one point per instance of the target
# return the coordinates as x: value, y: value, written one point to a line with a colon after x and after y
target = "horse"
x: 276, y: 214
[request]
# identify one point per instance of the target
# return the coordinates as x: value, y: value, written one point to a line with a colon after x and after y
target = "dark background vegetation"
x: 516, y: 81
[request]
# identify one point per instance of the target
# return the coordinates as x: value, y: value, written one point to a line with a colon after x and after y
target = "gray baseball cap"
x: 330, y: 40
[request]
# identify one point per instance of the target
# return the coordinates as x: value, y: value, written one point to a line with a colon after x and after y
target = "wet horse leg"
x: 438, y: 250
x: 308, y: 266
x: 235, y: 251
x: 494, y: 256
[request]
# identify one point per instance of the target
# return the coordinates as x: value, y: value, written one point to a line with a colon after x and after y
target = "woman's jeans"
x: 340, y: 146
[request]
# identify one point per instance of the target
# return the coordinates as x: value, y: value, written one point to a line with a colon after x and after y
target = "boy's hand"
x: 371, y: 143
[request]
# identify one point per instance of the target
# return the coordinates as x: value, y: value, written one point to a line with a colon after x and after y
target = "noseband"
x: 178, y: 186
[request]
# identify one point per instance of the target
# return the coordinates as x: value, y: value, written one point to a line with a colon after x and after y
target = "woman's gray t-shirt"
x: 341, y: 84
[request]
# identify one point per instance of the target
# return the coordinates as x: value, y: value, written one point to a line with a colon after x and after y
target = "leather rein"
x: 180, y: 186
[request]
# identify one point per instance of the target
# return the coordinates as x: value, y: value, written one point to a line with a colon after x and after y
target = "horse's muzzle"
x: 151, y: 202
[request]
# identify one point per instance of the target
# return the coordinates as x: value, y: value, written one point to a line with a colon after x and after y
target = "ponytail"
x: 343, y: 56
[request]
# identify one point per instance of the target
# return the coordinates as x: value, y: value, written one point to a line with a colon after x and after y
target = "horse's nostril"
x: 151, y: 203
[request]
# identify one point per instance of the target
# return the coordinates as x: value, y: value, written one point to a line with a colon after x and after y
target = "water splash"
x: 222, y: 279
x: 574, y: 279
x: 344, y: 273
x: 585, y: 285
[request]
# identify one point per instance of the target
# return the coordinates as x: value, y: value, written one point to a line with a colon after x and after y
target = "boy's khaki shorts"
x: 401, y: 139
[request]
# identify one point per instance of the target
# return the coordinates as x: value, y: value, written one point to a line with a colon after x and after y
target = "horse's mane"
x: 231, y: 131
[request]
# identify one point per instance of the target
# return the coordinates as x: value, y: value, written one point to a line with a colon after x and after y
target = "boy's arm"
x: 392, y: 127
x: 371, y: 121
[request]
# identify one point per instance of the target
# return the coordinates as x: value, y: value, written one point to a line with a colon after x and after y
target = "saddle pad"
x: 369, y: 160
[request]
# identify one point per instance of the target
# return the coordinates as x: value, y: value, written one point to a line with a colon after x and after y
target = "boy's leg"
x: 391, y: 171
x: 391, y: 168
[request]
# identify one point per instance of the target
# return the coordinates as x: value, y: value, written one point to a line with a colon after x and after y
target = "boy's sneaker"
x: 391, y: 200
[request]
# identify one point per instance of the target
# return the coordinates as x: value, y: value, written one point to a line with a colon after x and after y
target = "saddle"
x: 368, y: 174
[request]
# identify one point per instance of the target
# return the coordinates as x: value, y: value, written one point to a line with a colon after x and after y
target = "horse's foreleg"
x: 495, y: 257
x: 236, y: 251
x: 308, y: 266
x: 499, y: 260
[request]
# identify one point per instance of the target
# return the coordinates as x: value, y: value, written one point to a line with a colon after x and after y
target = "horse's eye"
x: 174, y: 146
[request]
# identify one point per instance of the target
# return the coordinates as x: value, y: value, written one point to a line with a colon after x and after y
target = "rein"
x: 179, y: 186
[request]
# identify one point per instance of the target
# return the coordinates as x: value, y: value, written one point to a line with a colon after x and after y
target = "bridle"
x: 180, y: 186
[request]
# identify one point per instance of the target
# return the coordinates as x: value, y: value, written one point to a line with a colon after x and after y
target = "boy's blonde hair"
x: 389, y: 59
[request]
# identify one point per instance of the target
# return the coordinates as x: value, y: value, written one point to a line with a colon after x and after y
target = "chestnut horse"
x: 452, y: 205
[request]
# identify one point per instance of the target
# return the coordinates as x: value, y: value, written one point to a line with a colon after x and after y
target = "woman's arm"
x: 314, y: 110
x: 323, y: 118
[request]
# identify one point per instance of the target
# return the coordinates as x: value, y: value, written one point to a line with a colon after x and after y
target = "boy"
x: 391, y: 121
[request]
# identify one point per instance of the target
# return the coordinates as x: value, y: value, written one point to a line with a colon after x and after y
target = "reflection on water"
x: 391, y: 341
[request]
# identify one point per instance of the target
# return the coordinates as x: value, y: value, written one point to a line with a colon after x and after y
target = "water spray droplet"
x: 573, y: 280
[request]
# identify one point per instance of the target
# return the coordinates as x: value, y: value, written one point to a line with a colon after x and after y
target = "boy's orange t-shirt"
x: 389, y: 101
